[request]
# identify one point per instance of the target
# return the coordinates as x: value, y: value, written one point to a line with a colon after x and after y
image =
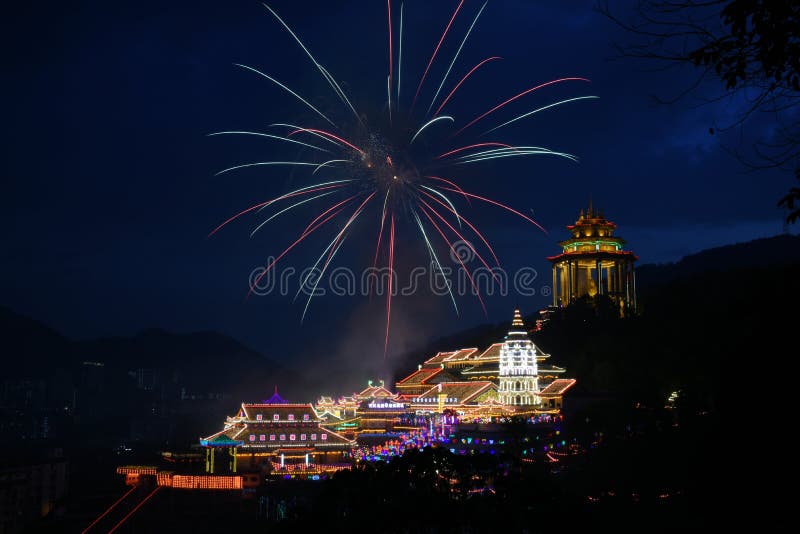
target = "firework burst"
x: 381, y: 169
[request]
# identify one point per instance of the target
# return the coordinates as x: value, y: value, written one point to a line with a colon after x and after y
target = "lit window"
x: 291, y: 417
x: 258, y: 417
x: 276, y: 417
x: 306, y: 417
x: 252, y: 437
x: 302, y: 437
x: 283, y: 437
x: 272, y: 437
x: 262, y: 437
x: 313, y: 437
x: 324, y: 437
x: 292, y: 437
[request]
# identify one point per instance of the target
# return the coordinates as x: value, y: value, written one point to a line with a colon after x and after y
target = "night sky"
x: 108, y: 176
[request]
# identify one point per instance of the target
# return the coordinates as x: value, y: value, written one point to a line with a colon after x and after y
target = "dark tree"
x: 751, y: 46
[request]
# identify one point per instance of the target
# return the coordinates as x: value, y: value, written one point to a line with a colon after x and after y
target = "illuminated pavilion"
x: 593, y: 262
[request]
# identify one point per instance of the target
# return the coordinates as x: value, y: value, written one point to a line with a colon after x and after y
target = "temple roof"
x: 283, y: 411
x: 453, y: 356
x: 375, y: 392
x: 438, y: 358
x: 220, y: 440
x: 592, y: 236
x: 491, y: 353
x: 257, y: 430
x: 518, y: 332
x: 463, y: 392
x: 420, y: 376
x: 543, y: 370
x: 276, y: 399
x: 558, y: 387
x: 600, y: 254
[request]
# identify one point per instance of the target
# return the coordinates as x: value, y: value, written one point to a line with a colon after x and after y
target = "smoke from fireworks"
x: 378, y: 173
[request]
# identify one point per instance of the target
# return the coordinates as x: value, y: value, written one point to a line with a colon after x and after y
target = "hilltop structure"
x: 592, y: 262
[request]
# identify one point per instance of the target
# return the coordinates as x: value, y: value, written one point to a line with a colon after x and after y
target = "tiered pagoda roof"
x: 592, y: 234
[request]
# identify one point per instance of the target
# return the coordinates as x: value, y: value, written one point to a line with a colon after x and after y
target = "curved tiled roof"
x: 558, y: 386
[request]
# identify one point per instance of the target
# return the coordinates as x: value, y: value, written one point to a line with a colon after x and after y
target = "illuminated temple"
x: 513, y: 373
x: 592, y: 262
x: 511, y: 378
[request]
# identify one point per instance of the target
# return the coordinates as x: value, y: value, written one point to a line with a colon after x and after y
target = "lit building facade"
x: 282, y: 436
x: 519, y: 373
x: 593, y: 262
x: 511, y: 377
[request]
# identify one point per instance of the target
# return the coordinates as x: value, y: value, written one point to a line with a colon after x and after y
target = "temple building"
x: 519, y: 374
x: 279, y: 435
x: 593, y: 262
x: 509, y: 378
x: 512, y: 373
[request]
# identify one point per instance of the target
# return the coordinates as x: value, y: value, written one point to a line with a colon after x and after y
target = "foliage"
x: 751, y: 46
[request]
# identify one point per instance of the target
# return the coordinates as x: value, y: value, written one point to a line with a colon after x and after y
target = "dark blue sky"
x: 108, y: 176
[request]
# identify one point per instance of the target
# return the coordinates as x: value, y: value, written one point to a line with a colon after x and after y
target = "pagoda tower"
x: 593, y: 262
x: 519, y: 374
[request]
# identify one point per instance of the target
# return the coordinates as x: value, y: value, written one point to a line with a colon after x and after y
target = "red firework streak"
x: 308, y: 231
x: 436, y: 51
x: 498, y: 204
x: 515, y: 97
x: 476, y: 67
x: 328, y: 135
x: 466, y: 221
x: 455, y: 254
x: 461, y: 237
x: 453, y: 185
x: 268, y: 202
x: 377, y: 249
x: 389, y: 293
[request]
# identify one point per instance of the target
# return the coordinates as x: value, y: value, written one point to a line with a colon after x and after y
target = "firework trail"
x: 387, y: 159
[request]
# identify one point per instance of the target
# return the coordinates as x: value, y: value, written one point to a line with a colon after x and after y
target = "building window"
x: 292, y: 437
x: 306, y: 417
x: 324, y: 437
x: 313, y: 437
x: 252, y: 437
x: 283, y: 437
x: 258, y: 417
x: 291, y: 417
x: 272, y: 437
x: 302, y: 437
x: 262, y: 437
x: 276, y: 417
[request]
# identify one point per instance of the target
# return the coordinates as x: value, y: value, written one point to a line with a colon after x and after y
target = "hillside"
x: 702, y: 318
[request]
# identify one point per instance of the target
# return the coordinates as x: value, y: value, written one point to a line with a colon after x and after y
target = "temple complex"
x: 511, y: 378
x: 593, y: 262
x: 511, y: 373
